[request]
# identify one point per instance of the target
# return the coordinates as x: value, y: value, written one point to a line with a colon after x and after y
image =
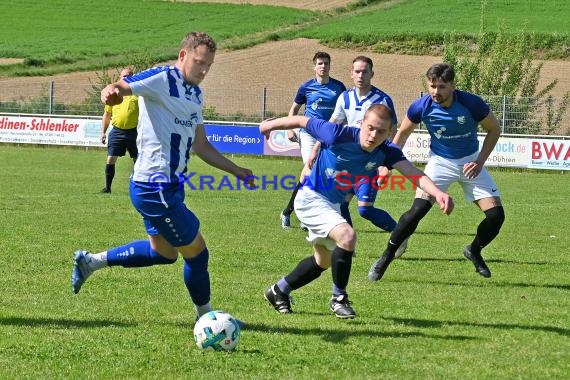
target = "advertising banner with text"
x: 50, y: 130
x: 510, y: 151
x: 549, y: 154
x: 241, y: 139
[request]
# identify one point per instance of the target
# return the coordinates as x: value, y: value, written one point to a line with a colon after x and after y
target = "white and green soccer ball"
x: 217, y: 330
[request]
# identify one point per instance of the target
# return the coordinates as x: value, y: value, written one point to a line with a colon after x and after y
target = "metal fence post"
x: 51, y: 97
x: 264, y: 103
x: 503, y: 118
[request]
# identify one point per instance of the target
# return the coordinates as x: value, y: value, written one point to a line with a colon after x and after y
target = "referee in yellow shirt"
x: 124, y: 118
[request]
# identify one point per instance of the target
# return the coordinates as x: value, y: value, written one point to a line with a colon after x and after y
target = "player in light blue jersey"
x: 349, y: 110
x: 452, y: 118
x: 348, y: 157
x: 170, y: 125
x: 319, y: 97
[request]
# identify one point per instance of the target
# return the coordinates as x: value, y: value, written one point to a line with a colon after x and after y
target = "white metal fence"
x: 546, y: 116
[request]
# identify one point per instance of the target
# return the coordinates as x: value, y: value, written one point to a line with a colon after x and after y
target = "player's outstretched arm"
x: 113, y: 93
x: 212, y: 157
x: 419, y: 178
x: 282, y: 123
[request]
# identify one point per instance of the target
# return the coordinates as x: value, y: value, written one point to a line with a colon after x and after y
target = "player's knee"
x: 346, y: 238
x: 496, y: 215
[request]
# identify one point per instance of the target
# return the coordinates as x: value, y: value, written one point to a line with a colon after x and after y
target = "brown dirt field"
x: 10, y: 61
x: 280, y: 67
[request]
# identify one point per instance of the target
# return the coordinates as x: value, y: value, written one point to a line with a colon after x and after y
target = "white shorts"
x: 445, y: 171
x: 319, y: 215
x: 307, y: 142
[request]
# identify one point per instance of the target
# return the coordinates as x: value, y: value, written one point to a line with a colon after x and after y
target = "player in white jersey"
x: 348, y: 156
x: 350, y: 108
x: 452, y: 118
x: 170, y: 124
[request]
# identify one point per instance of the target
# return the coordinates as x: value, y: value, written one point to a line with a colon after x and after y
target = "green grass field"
x: 431, y: 317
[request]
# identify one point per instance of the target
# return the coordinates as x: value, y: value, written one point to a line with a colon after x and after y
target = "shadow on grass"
x: 341, y: 334
x: 61, y: 323
x: 427, y: 323
x: 461, y: 258
x: 491, y: 283
x: 384, y: 234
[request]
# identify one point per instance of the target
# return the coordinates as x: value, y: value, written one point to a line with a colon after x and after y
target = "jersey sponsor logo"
x: 341, y: 158
x: 370, y: 165
x: 331, y: 173
x: 187, y: 123
x: 315, y: 104
x: 439, y: 132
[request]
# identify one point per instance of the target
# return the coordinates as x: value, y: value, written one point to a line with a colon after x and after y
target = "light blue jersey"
x: 350, y: 109
x: 169, y: 111
x: 319, y: 99
x: 453, y: 130
x: 342, y: 162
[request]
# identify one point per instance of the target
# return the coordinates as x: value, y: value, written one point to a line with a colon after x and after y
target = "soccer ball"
x: 217, y: 330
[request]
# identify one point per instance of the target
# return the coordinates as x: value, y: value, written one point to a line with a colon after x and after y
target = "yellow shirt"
x: 126, y: 114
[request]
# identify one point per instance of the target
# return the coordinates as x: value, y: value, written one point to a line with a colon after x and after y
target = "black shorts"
x: 121, y: 140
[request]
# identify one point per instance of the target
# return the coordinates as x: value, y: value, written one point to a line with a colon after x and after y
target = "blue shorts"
x: 365, y: 192
x: 121, y: 140
x: 164, y: 212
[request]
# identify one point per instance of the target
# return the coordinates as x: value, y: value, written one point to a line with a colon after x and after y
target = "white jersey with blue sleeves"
x: 453, y: 130
x: 169, y: 111
x: 342, y: 161
x: 350, y: 109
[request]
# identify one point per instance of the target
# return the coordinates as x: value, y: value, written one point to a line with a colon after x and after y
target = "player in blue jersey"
x: 319, y: 97
x: 347, y: 157
x: 451, y: 117
x: 350, y: 108
x: 170, y: 124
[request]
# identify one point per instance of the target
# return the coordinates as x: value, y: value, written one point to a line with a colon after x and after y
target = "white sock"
x: 201, y: 310
x: 96, y: 260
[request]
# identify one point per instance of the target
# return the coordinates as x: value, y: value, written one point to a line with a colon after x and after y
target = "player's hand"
x: 246, y: 176
x: 292, y: 136
x: 104, y: 139
x: 472, y: 169
x: 110, y: 95
x: 265, y: 127
x: 312, y: 158
x: 445, y: 203
x: 383, y: 176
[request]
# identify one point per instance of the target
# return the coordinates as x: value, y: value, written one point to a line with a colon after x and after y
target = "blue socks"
x: 378, y: 217
x: 139, y: 254
x: 136, y: 254
x: 197, y: 278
